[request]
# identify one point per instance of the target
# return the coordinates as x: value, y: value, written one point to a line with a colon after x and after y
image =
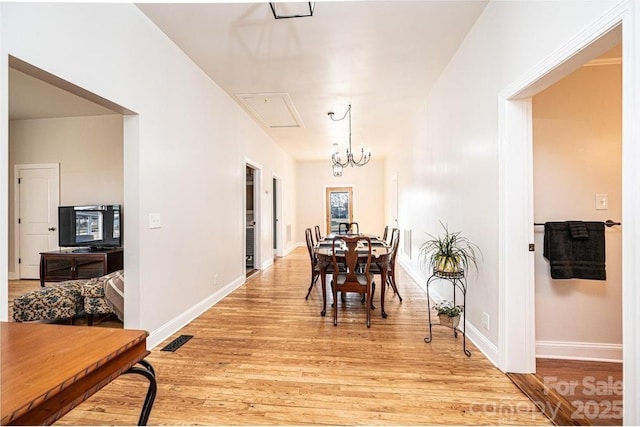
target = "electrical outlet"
x: 485, y: 321
x: 154, y: 220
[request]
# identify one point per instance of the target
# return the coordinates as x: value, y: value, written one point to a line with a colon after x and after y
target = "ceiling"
x: 380, y: 56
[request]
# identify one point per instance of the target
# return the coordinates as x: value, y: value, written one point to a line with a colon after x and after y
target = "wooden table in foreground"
x: 47, y: 370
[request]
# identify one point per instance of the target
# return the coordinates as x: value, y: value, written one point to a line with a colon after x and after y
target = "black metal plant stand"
x: 459, y: 282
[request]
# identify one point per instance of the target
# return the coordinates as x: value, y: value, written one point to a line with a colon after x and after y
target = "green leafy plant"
x: 449, y: 252
x: 447, y: 308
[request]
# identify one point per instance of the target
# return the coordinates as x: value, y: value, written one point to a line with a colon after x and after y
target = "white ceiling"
x: 380, y: 56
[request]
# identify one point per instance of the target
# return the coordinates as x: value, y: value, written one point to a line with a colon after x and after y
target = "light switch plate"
x: 154, y: 220
x: 602, y: 202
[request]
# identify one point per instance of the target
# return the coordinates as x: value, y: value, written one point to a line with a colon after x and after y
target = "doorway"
x: 252, y: 213
x: 516, y: 337
x: 37, y: 196
x: 577, y: 176
x: 517, y: 341
x: 278, y: 227
x: 577, y: 166
x: 392, y: 214
x: 339, y: 207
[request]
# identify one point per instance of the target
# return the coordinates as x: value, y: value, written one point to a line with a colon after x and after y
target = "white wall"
x: 577, y: 148
x: 184, y: 153
x: 368, y: 195
x: 448, y: 168
x: 88, y: 149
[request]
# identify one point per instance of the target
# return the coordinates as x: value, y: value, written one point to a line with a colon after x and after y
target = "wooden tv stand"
x: 71, y: 264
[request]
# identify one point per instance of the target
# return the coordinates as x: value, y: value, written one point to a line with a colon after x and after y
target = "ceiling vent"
x: 273, y: 110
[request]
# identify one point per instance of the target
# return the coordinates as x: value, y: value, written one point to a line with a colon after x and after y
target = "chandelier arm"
x: 363, y: 160
x: 350, y: 160
x: 335, y: 159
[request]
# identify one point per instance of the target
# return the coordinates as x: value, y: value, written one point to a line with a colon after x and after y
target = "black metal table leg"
x: 146, y: 371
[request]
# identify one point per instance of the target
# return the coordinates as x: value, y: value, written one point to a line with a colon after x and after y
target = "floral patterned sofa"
x: 67, y: 300
x: 59, y: 301
x: 95, y: 299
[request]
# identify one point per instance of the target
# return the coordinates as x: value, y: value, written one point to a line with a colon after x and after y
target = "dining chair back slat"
x: 356, y: 275
x: 348, y: 228
x: 391, y: 275
x: 315, y: 271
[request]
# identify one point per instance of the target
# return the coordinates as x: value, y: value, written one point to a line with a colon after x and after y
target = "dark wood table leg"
x: 323, y: 278
x: 42, y: 271
x: 383, y: 287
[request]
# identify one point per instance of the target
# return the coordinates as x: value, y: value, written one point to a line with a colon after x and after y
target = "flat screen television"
x: 93, y: 227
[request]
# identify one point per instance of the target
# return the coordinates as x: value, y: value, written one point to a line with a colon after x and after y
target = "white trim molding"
x: 165, y: 331
x: 600, y: 352
x: 630, y: 210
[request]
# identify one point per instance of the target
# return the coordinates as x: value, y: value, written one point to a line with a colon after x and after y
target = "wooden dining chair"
x: 315, y: 269
x: 348, y: 228
x: 351, y: 279
x: 391, y: 273
x: 386, y: 233
x: 318, y: 235
x: 390, y: 280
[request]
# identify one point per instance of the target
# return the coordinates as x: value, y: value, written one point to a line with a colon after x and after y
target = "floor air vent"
x: 177, y: 343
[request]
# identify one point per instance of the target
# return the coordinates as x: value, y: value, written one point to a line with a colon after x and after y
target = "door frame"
x: 516, y: 336
x: 16, y: 207
x: 394, y: 205
x: 277, y: 215
x: 327, y: 216
x: 257, y: 211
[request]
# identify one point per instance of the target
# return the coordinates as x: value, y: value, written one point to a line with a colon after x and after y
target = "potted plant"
x: 449, y: 253
x: 448, y: 313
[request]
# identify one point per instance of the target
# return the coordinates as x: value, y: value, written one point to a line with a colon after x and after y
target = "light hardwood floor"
x: 593, y: 388
x: 265, y: 356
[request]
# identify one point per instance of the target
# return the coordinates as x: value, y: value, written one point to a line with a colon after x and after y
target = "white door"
x: 38, y: 192
x: 393, y: 202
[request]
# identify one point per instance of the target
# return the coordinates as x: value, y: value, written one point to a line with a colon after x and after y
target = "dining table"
x: 47, y: 369
x: 380, y: 255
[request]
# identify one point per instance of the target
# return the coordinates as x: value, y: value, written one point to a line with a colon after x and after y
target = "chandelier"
x: 336, y: 163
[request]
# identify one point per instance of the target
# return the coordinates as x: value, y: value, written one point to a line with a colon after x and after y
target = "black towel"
x: 580, y: 257
x: 578, y: 230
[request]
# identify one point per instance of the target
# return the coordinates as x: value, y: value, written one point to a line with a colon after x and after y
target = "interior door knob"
x: 52, y: 229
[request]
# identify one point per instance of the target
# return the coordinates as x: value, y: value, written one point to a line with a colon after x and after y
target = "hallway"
x: 265, y: 356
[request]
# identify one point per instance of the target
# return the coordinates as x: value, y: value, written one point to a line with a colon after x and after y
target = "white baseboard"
x: 486, y: 347
x: 601, y: 352
x: 290, y: 249
x: 169, y: 328
x: 268, y: 263
x: 12, y: 276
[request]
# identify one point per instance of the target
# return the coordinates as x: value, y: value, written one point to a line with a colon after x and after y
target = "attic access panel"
x: 273, y: 110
